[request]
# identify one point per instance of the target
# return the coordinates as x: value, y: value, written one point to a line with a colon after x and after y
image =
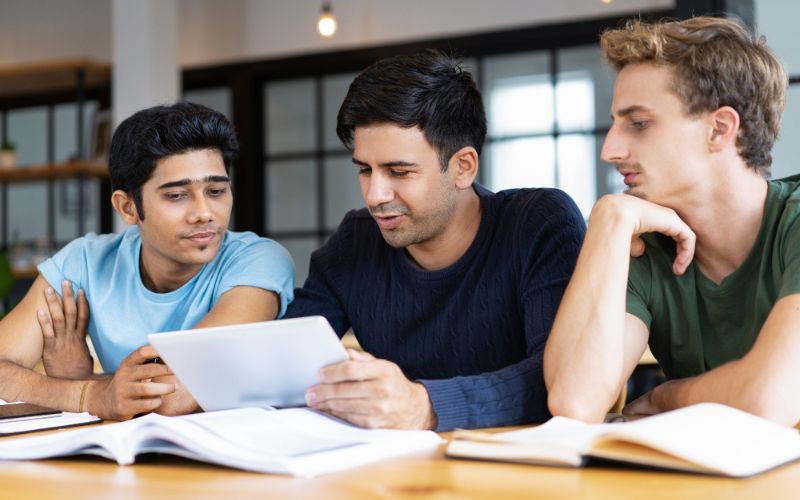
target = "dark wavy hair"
x: 428, y: 90
x: 152, y: 134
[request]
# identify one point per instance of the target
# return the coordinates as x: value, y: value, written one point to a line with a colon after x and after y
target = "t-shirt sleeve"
x: 639, y: 289
x: 260, y: 263
x: 69, y: 263
x: 790, y: 283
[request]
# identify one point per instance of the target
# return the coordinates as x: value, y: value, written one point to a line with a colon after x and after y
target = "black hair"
x: 428, y: 90
x: 152, y: 134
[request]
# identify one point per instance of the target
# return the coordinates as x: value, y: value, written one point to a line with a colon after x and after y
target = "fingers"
x: 146, y: 371
x: 321, y: 393
x: 684, y: 252
x: 353, y: 371
x: 357, y: 355
x: 141, y: 355
x: 150, y: 389
x: 45, y: 324
x: 83, y: 312
x: 55, y: 309
x: 637, y: 246
x: 70, y: 310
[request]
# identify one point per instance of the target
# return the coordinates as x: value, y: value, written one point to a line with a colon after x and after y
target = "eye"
x: 364, y: 170
x: 217, y: 192
x: 174, y: 196
x: 399, y: 173
x: 639, y: 124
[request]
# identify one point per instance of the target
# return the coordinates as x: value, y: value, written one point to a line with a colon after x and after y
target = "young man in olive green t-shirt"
x: 714, y: 282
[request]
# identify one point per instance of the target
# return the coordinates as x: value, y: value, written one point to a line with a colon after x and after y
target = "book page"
x: 717, y: 438
x: 559, y: 441
x: 301, y: 442
x: 272, y: 432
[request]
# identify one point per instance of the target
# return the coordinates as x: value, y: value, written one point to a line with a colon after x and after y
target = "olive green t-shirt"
x: 696, y: 325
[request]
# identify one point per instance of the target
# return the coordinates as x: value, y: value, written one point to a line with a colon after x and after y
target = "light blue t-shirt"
x: 123, y: 311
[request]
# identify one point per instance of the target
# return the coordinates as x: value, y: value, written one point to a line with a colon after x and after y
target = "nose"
x: 614, y: 149
x: 200, y: 211
x: 377, y: 189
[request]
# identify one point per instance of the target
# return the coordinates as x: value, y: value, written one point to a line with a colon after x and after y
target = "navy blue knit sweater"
x: 473, y: 333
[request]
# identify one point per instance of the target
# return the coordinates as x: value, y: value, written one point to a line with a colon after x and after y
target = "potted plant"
x: 8, y: 154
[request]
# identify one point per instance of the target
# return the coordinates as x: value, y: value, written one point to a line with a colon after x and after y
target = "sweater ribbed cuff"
x: 449, y: 403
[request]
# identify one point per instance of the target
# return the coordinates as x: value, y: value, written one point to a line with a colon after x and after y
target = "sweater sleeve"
x: 516, y: 394
x: 321, y: 293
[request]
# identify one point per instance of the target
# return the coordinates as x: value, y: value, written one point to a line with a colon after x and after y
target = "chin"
x: 639, y: 193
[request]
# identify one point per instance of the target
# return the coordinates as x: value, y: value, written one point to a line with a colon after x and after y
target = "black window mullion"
x: 51, y: 158
x: 553, y: 67
x: 319, y: 117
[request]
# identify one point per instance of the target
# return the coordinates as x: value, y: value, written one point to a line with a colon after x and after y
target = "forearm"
x: 731, y: 384
x: 23, y: 384
x: 584, y: 356
x: 509, y: 396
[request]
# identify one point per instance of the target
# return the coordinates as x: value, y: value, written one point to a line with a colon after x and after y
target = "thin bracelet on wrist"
x: 83, y: 396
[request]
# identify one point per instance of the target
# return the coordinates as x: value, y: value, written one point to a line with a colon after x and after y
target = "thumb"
x: 357, y: 355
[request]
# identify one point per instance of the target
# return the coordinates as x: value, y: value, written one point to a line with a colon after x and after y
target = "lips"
x: 388, y: 222
x: 629, y: 176
x: 203, y: 238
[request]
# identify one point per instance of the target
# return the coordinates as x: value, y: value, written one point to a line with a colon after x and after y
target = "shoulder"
x: 99, y: 246
x: 788, y: 193
x: 536, y: 211
x: 536, y: 203
x: 248, y: 245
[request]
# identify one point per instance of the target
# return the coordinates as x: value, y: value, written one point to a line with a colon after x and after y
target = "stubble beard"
x: 426, y: 227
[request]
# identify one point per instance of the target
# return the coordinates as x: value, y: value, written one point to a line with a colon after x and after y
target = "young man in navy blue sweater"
x: 450, y: 289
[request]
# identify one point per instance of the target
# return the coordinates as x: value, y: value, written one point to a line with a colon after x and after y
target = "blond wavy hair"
x: 716, y: 62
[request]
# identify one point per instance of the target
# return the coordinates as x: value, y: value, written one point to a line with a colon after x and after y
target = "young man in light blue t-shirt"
x: 177, y: 267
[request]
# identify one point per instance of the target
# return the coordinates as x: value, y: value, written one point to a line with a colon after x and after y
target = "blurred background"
x: 71, y: 69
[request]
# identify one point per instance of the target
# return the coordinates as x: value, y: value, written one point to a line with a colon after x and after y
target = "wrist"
x: 427, y: 419
x: 93, y: 399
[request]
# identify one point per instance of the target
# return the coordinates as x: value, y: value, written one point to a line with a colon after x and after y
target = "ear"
x: 464, y: 167
x: 724, y: 129
x: 123, y: 204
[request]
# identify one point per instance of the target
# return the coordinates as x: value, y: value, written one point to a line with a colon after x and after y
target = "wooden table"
x: 413, y: 477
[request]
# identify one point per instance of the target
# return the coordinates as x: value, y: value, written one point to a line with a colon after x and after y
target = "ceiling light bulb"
x: 326, y: 25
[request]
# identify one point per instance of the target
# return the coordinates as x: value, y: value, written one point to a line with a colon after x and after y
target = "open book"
x: 706, y: 438
x: 297, y: 441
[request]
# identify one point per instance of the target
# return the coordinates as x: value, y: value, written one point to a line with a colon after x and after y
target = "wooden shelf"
x: 53, y: 171
x: 55, y: 76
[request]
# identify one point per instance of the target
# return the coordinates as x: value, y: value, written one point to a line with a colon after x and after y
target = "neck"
x: 161, y: 275
x: 450, y: 245
x: 726, y: 219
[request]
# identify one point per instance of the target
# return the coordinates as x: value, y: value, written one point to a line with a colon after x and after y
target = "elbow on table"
x: 563, y: 404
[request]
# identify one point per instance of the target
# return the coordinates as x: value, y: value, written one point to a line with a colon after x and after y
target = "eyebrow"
x: 630, y: 110
x: 388, y: 164
x: 186, y: 182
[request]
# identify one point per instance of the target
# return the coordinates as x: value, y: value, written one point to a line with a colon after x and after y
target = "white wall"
x: 214, y: 31
x: 42, y: 30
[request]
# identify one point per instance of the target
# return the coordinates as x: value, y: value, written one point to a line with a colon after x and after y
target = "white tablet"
x: 257, y: 364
